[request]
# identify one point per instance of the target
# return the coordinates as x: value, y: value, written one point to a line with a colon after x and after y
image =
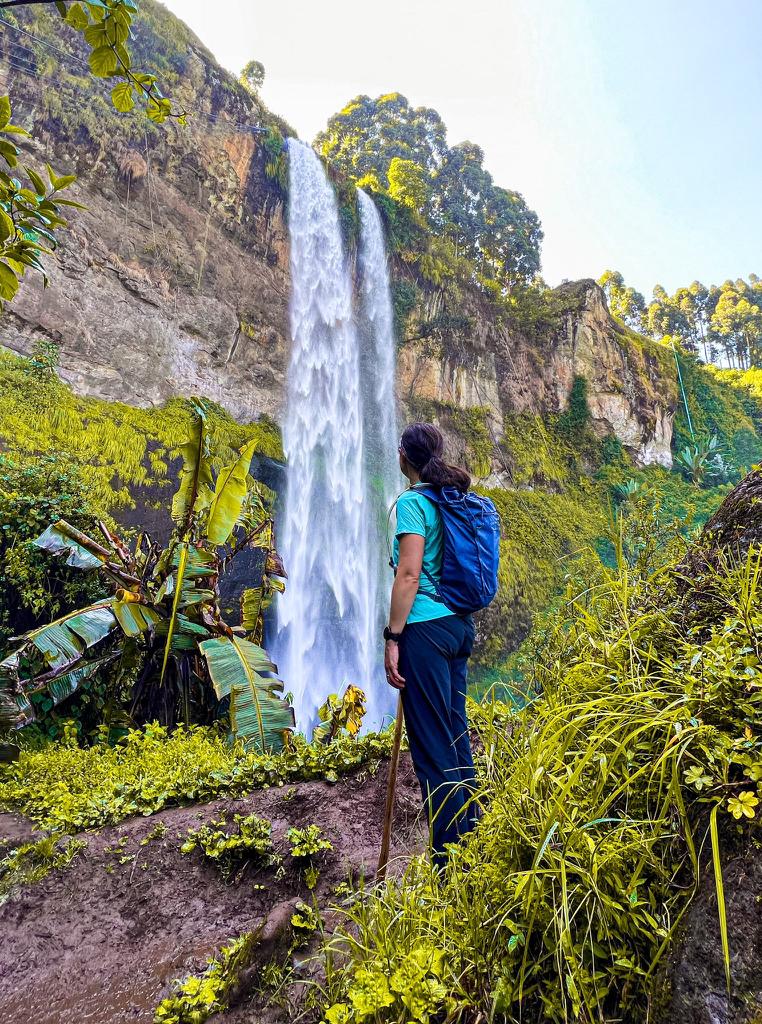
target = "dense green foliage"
x: 30, y: 862
x: 721, y: 406
x: 66, y: 787
x: 719, y: 322
x: 596, y: 800
x: 110, y: 446
x: 161, y: 627
x: 82, y: 459
x: 401, y: 152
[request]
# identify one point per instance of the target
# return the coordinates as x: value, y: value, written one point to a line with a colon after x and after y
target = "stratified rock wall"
x: 632, y: 388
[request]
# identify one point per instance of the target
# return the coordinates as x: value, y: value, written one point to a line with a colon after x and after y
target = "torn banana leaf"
x: 63, y: 642
x: 259, y: 716
x: 62, y: 539
x: 196, y: 481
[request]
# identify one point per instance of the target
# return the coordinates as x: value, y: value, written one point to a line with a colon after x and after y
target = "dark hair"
x: 422, y: 444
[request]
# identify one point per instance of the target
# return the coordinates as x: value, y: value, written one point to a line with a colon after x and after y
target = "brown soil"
x: 100, y: 942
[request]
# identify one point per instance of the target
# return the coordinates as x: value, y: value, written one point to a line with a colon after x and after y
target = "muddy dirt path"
x: 101, y: 941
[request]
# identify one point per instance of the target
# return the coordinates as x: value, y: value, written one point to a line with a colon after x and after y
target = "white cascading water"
x: 328, y: 619
x: 377, y: 376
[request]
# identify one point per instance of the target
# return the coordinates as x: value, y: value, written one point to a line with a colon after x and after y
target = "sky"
x: 632, y: 128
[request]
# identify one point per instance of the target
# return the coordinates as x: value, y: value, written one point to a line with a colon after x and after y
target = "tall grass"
x: 596, y: 802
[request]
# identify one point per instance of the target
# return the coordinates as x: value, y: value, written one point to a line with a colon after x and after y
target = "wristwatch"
x: 388, y: 635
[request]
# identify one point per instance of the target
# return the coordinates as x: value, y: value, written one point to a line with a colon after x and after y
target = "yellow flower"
x: 743, y: 805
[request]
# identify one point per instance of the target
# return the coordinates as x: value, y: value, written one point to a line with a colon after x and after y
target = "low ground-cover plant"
x: 31, y: 862
x: 198, y: 997
x: 69, y: 788
x: 597, y: 800
x: 248, y: 840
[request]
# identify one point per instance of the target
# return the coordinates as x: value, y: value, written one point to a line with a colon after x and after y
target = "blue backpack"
x: 471, y: 549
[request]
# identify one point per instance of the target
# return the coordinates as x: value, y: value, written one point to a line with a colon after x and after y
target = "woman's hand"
x: 391, y: 665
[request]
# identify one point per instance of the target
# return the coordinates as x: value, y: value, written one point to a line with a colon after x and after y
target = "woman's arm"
x: 404, y: 589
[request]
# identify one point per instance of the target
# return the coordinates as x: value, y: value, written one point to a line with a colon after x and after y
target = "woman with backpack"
x: 445, y: 560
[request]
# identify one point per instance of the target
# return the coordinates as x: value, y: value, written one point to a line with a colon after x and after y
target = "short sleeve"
x: 410, y: 517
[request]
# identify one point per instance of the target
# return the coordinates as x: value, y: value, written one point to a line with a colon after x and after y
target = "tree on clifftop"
x: 393, y: 148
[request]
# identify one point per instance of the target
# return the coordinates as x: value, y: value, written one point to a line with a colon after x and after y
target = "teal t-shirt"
x: 416, y: 514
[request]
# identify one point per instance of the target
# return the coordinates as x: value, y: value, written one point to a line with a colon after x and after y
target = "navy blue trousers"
x: 433, y: 662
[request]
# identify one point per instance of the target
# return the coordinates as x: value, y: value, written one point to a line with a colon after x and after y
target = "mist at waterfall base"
x: 340, y: 441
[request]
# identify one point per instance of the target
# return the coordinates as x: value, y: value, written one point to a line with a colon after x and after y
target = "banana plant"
x: 165, y: 609
x: 340, y: 714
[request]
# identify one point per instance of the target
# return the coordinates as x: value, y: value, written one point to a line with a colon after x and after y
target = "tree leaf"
x: 243, y: 671
x: 8, y: 282
x: 102, y: 61
x: 123, y: 96
x: 37, y: 181
x: 5, y: 111
x: 77, y: 17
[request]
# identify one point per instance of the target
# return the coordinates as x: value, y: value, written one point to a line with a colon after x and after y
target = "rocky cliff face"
x: 632, y: 390
x: 175, y: 279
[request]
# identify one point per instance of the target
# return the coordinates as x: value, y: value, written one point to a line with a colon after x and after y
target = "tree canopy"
x: 721, y: 323
x: 388, y: 146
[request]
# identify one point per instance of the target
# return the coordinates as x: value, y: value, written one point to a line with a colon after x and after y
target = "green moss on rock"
x: 112, y: 446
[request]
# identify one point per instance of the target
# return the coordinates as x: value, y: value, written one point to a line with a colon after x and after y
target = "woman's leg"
x: 427, y: 650
x: 459, y: 681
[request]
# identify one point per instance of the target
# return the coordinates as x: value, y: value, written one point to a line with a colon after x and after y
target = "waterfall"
x: 330, y: 615
x: 377, y: 373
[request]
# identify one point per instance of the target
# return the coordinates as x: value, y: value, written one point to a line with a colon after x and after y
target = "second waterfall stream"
x: 340, y: 439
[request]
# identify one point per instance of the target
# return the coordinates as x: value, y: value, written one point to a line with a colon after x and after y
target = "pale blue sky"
x: 633, y: 129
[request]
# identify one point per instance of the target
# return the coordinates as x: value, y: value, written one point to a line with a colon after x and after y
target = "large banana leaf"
x: 243, y: 671
x: 230, y: 493
x: 196, y: 482
x: 63, y: 539
x: 63, y: 642
x: 133, y: 616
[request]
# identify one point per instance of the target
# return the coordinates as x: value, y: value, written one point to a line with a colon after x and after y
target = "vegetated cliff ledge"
x: 175, y: 279
x: 478, y: 359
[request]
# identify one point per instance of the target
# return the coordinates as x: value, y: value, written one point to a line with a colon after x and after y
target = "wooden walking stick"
x: 391, y: 785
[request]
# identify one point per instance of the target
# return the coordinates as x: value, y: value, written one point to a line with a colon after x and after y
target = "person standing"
x: 428, y: 644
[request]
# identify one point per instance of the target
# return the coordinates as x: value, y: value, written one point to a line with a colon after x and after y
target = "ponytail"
x: 422, y: 445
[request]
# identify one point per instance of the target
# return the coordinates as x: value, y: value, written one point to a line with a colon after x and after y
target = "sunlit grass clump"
x: 597, y: 802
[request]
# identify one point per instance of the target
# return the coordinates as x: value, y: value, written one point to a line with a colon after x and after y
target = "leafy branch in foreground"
x: 29, y: 216
x: 105, y: 25
x: 163, y: 625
